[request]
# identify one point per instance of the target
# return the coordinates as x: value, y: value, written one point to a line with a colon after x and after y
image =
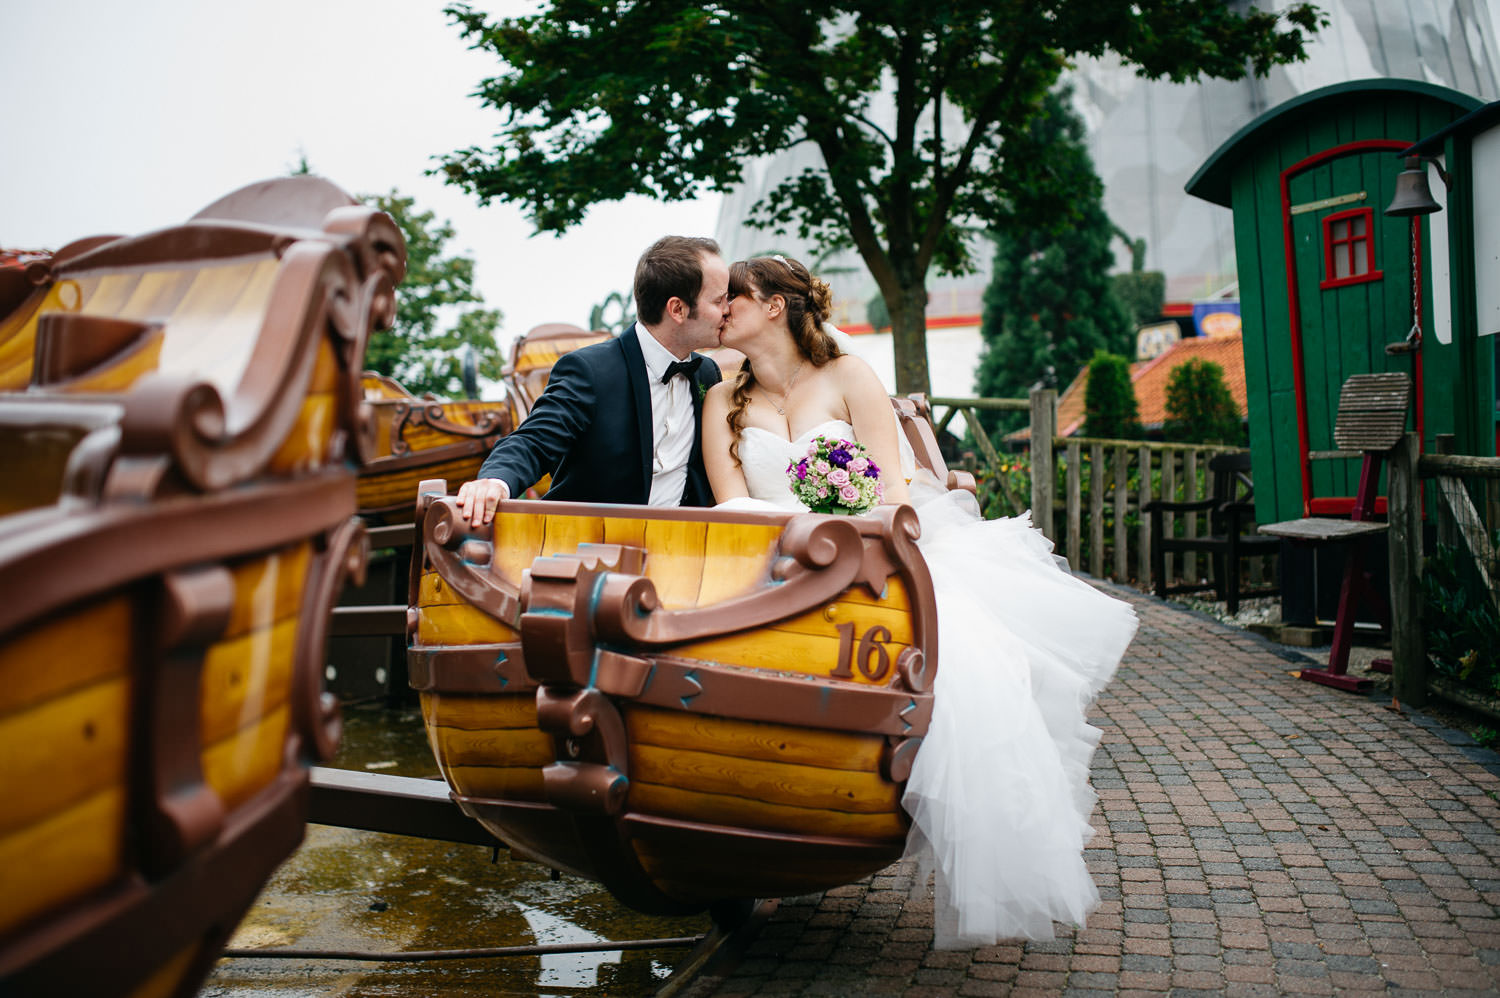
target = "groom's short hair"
x: 671, y: 267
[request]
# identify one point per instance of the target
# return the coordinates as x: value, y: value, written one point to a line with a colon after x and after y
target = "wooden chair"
x: 1371, y: 418
x: 1230, y: 508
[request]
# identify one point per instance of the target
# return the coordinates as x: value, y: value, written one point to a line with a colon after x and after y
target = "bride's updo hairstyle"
x: 809, y: 303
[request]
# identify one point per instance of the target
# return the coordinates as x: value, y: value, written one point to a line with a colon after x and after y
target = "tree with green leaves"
x: 424, y: 350
x: 1049, y: 306
x: 911, y: 106
x: 1109, y: 402
x: 1200, y: 409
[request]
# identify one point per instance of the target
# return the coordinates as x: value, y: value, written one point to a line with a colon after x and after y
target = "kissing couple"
x: 999, y: 795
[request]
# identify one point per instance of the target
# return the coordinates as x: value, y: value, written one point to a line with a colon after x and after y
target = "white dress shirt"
x: 672, y: 420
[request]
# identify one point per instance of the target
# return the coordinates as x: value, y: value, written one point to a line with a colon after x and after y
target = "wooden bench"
x: 1231, y: 509
x: 1371, y: 418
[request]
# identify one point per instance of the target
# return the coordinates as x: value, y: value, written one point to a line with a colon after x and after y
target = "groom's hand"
x: 477, y: 499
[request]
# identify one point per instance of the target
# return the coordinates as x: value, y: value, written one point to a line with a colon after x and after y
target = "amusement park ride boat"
x: 690, y: 706
x: 180, y: 415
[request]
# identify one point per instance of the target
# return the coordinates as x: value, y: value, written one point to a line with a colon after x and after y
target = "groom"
x: 619, y: 420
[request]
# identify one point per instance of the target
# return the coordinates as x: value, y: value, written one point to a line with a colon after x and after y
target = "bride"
x: 999, y: 795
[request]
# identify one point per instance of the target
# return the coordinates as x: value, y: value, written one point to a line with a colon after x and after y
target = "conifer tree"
x: 1050, y: 305
x: 1200, y: 409
x: 1109, y: 400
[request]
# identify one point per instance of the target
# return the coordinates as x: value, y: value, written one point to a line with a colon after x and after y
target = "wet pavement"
x: 349, y: 890
x: 1256, y: 835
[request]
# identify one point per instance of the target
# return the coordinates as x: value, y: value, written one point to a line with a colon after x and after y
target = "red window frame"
x: 1332, y: 246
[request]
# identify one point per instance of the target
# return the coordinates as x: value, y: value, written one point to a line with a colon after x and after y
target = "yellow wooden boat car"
x: 414, y: 439
x: 690, y: 706
x: 176, y: 521
x: 532, y: 357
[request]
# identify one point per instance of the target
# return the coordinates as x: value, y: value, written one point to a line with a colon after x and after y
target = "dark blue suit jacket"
x: 591, y: 430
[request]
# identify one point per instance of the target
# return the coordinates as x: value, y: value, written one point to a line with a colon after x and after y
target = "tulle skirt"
x: 999, y: 795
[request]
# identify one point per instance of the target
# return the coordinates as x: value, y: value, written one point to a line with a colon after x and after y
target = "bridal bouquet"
x: 836, y: 476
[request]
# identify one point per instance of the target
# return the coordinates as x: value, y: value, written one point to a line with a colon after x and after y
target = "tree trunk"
x: 909, y: 338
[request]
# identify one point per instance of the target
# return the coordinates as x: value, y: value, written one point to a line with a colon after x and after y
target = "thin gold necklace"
x: 786, y: 395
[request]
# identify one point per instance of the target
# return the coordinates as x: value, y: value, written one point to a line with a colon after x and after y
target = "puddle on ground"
x: 354, y: 890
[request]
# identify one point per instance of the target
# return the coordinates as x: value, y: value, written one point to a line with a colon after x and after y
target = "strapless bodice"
x: 764, y: 456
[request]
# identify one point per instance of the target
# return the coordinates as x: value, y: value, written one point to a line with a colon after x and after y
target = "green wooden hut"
x: 1326, y: 282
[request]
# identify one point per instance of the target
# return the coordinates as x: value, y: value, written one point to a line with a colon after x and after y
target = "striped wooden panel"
x: 488, y: 746
x: 746, y: 812
x: 784, y: 650
x: 518, y: 541
x: 248, y: 760
x: 64, y: 750
x: 267, y: 589
x: 460, y: 625
x: 523, y: 783
x: 308, y: 443
x: 672, y: 729
x: 737, y: 557
x: 545, y: 353
x: 65, y: 652
x: 64, y: 857
x: 215, y: 326
x: 792, y: 784
x: 379, y: 489
x: 246, y: 678
x: 247, y: 674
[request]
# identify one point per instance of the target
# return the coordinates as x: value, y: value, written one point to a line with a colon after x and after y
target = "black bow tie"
x: 688, y: 367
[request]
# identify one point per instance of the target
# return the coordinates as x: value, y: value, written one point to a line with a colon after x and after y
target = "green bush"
x: 1109, y: 402
x: 1200, y: 409
x: 1459, y: 621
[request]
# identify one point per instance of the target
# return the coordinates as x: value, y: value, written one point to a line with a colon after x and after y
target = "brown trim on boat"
x: 344, y: 555
x: 495, y: 668
x: 54, y: 557
x: 490, y: 424
x: 179, y: 812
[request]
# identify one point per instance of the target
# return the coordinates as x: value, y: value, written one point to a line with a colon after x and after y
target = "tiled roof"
x: 1150, y: 380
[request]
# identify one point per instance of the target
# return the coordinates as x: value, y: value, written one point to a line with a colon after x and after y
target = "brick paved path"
x: 1256, y: 835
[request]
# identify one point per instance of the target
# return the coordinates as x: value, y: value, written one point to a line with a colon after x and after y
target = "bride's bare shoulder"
x: 854, y: 372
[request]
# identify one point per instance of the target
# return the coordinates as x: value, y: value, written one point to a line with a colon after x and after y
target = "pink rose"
x: 858, y: 465
x: 839, y: 477
x: 849, y: 494
x: 822, y: 493
x: 822, y: 467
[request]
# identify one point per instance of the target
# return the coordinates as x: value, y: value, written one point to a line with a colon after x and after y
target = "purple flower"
x: 802, y: 470
x: 873, y: 471
x: 839, y: 457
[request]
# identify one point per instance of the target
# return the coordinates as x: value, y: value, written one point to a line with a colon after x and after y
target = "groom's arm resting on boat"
x: 561, y: 416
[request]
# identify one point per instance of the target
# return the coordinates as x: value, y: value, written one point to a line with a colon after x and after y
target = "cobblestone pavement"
x: 1256, y: 835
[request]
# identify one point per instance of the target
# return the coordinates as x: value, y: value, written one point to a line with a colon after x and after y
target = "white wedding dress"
x: 999, y: 795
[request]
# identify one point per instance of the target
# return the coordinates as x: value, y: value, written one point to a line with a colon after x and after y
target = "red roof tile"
x: 1150, y: 380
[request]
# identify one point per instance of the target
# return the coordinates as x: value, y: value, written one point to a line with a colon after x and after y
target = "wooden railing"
x: 1086, y: 494
x: 1465, y: 503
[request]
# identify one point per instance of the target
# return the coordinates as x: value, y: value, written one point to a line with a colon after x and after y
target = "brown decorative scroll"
x: 489, y: 424
x: 181, y: 813
x: 558, y: 599
x: 591, y: 774
x: 215, y: 442
x: 315, y: 713
x: 821, y: 557
x: 458, y: 552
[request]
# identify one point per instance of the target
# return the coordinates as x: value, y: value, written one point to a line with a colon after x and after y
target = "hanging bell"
x: 1413, y: 196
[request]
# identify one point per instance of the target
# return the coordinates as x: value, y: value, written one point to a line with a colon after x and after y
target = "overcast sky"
x: 123, y: 117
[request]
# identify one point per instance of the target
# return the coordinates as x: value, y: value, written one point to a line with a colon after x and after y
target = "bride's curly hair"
x: 809, y: 303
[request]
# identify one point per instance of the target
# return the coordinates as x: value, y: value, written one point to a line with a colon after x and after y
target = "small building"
x: 1327, y: 287
x: 1149, y: 380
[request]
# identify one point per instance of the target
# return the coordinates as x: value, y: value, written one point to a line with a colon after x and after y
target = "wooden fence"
x: 1465, y: 503
x: 1087, y: 494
